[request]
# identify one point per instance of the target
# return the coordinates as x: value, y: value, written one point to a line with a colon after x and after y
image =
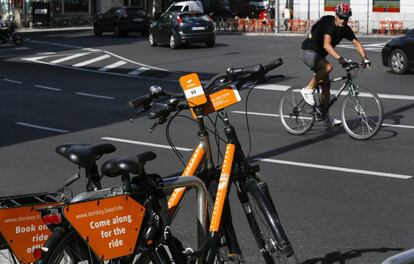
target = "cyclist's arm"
x: 328, y: 46
x: 360, y: 49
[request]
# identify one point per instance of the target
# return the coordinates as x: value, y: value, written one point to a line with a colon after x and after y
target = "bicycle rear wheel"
x: 296, y: 115
x: 362, y: 114
x: 266, y: 227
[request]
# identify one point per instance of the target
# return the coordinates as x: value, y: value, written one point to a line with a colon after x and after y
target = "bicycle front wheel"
x: 296, y: 115
x: 267, y: 229
x: 362, y: 113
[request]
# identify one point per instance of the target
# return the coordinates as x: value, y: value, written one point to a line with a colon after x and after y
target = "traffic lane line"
x: 47, y: 87
x: 12, y: 81
x: 285, y: 162
x: 277, y: 115
x: 95, y: 95
x: 41, y: 127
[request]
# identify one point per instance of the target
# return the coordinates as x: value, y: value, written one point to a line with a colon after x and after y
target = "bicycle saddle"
x: 84, y: 155
x: 126, y: 165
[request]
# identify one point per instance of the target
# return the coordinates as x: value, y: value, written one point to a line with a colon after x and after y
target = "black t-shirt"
x: 326, y: 25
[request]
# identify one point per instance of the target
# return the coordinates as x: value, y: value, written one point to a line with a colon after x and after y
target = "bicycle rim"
x: 296, y: 115
x: 362, y: 114
x: 70, y: 250
x: 273, y: 253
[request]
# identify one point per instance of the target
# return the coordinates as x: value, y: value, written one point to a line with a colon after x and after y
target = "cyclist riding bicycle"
x: 325, y: 34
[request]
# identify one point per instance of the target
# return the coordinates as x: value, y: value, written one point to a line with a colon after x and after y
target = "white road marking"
x: 334, y: 168
x: 292, y: 163
x: 35, y: 59
x: 46, y: 53
x: 22, y: 48
x: 112, y: 66
x: 84, y: 63
x: 12, y: 81
x: 47, y: 87
x: 277, y: 115
x: 92, y: 49
x: 41, y: 127
x: 138, y: 71
x: 144, y: 143
x: 272, y: 87
x: 95, y: 95
x: 77, y: 55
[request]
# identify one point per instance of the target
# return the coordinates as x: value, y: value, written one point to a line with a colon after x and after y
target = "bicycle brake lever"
x: 153, y: 127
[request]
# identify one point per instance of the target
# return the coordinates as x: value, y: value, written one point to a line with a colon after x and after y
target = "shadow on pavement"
x: 344, y: 257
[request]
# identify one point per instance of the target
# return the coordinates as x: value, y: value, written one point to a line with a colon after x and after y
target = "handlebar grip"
x: 144, y: 101
x: 234, y: 73
x: 273, y: 65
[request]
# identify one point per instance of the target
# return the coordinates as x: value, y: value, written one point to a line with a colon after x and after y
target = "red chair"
x: 383, y: 26
x: 397, y: 27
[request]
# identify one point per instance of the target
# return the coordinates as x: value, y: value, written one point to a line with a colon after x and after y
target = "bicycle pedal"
x: 235, y: 258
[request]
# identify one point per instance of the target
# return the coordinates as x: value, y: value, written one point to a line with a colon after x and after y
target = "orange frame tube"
x: 222, y: 188
x: 190, y: 170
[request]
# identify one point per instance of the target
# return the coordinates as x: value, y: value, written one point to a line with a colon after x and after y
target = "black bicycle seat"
x: 84, y: 155
x: 127, y: 165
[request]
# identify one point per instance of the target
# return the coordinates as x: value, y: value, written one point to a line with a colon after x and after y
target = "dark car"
x: 121, y: 21
x: 176, y: 28
x: 398, y: 53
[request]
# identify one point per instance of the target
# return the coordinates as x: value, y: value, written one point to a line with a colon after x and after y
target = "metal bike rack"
x: 201, y: 190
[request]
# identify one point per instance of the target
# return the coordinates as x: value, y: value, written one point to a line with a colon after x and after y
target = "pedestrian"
x: 325, y: 34
x: 286, y: 18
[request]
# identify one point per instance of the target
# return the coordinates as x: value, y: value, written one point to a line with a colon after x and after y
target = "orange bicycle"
x: 252, y: 190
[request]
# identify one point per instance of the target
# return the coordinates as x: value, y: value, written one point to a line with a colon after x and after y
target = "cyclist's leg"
x: 323, y: 79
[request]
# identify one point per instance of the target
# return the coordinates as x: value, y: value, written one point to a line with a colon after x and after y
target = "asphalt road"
x: 341, y: 200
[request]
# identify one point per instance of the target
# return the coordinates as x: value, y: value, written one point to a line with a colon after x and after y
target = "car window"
x: 191, y: 18
x: 175, y: 8
x: 135, y: 12
x: 411, y: 33
x: 110, y: 12
x: 186, y: 8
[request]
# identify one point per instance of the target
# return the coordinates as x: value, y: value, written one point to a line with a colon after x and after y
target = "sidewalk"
x: 30, y: 30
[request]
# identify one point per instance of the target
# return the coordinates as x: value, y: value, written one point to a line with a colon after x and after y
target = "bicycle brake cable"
x: 169, y: 140
x: 253, y: 84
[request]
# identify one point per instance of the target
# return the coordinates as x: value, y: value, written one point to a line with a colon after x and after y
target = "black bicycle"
x: 361, y: 112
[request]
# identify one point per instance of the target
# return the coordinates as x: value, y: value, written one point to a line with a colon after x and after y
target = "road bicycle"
x: 22, y: 230
x: 361, y: 111
x: 117, y: 224
x: 219, y: 243
x: 9, y: 35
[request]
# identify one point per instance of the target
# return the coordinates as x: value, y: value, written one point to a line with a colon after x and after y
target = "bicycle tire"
x: 72, y: 249
x: 362, y: 114
x: 296, y: 116
x: 269, y: 225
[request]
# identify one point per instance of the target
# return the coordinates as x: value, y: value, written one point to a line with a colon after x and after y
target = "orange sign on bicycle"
x: 110, y: 226
x: 24, y: 231
x: 193, y: 90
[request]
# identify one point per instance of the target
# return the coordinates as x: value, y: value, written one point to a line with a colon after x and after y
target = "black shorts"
x: 312, y: 59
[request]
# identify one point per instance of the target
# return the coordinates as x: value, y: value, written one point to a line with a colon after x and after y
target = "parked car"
x: 193, y: 6
x: 398, y: 53
x: 176, y: 28
x: 121, y: 21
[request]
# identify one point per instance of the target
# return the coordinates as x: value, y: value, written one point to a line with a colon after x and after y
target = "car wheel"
x: 97, y: 31
x: 151, y: 40
x: 173, y: 41
x: 211, y: 43
x: 398, y: 61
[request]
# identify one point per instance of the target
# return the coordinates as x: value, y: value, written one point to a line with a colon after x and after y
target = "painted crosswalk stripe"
x: 21, y: 48
x: 74, y: 56
x: 113, y: 65
x: 272, y: 87
x: 138, y: 71
x: 334, y: 168
x: 84, y: 63
x: 12, y: 81
x: 41, y: 127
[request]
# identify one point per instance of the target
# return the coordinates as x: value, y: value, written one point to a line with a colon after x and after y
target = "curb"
x: 30, y: 30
